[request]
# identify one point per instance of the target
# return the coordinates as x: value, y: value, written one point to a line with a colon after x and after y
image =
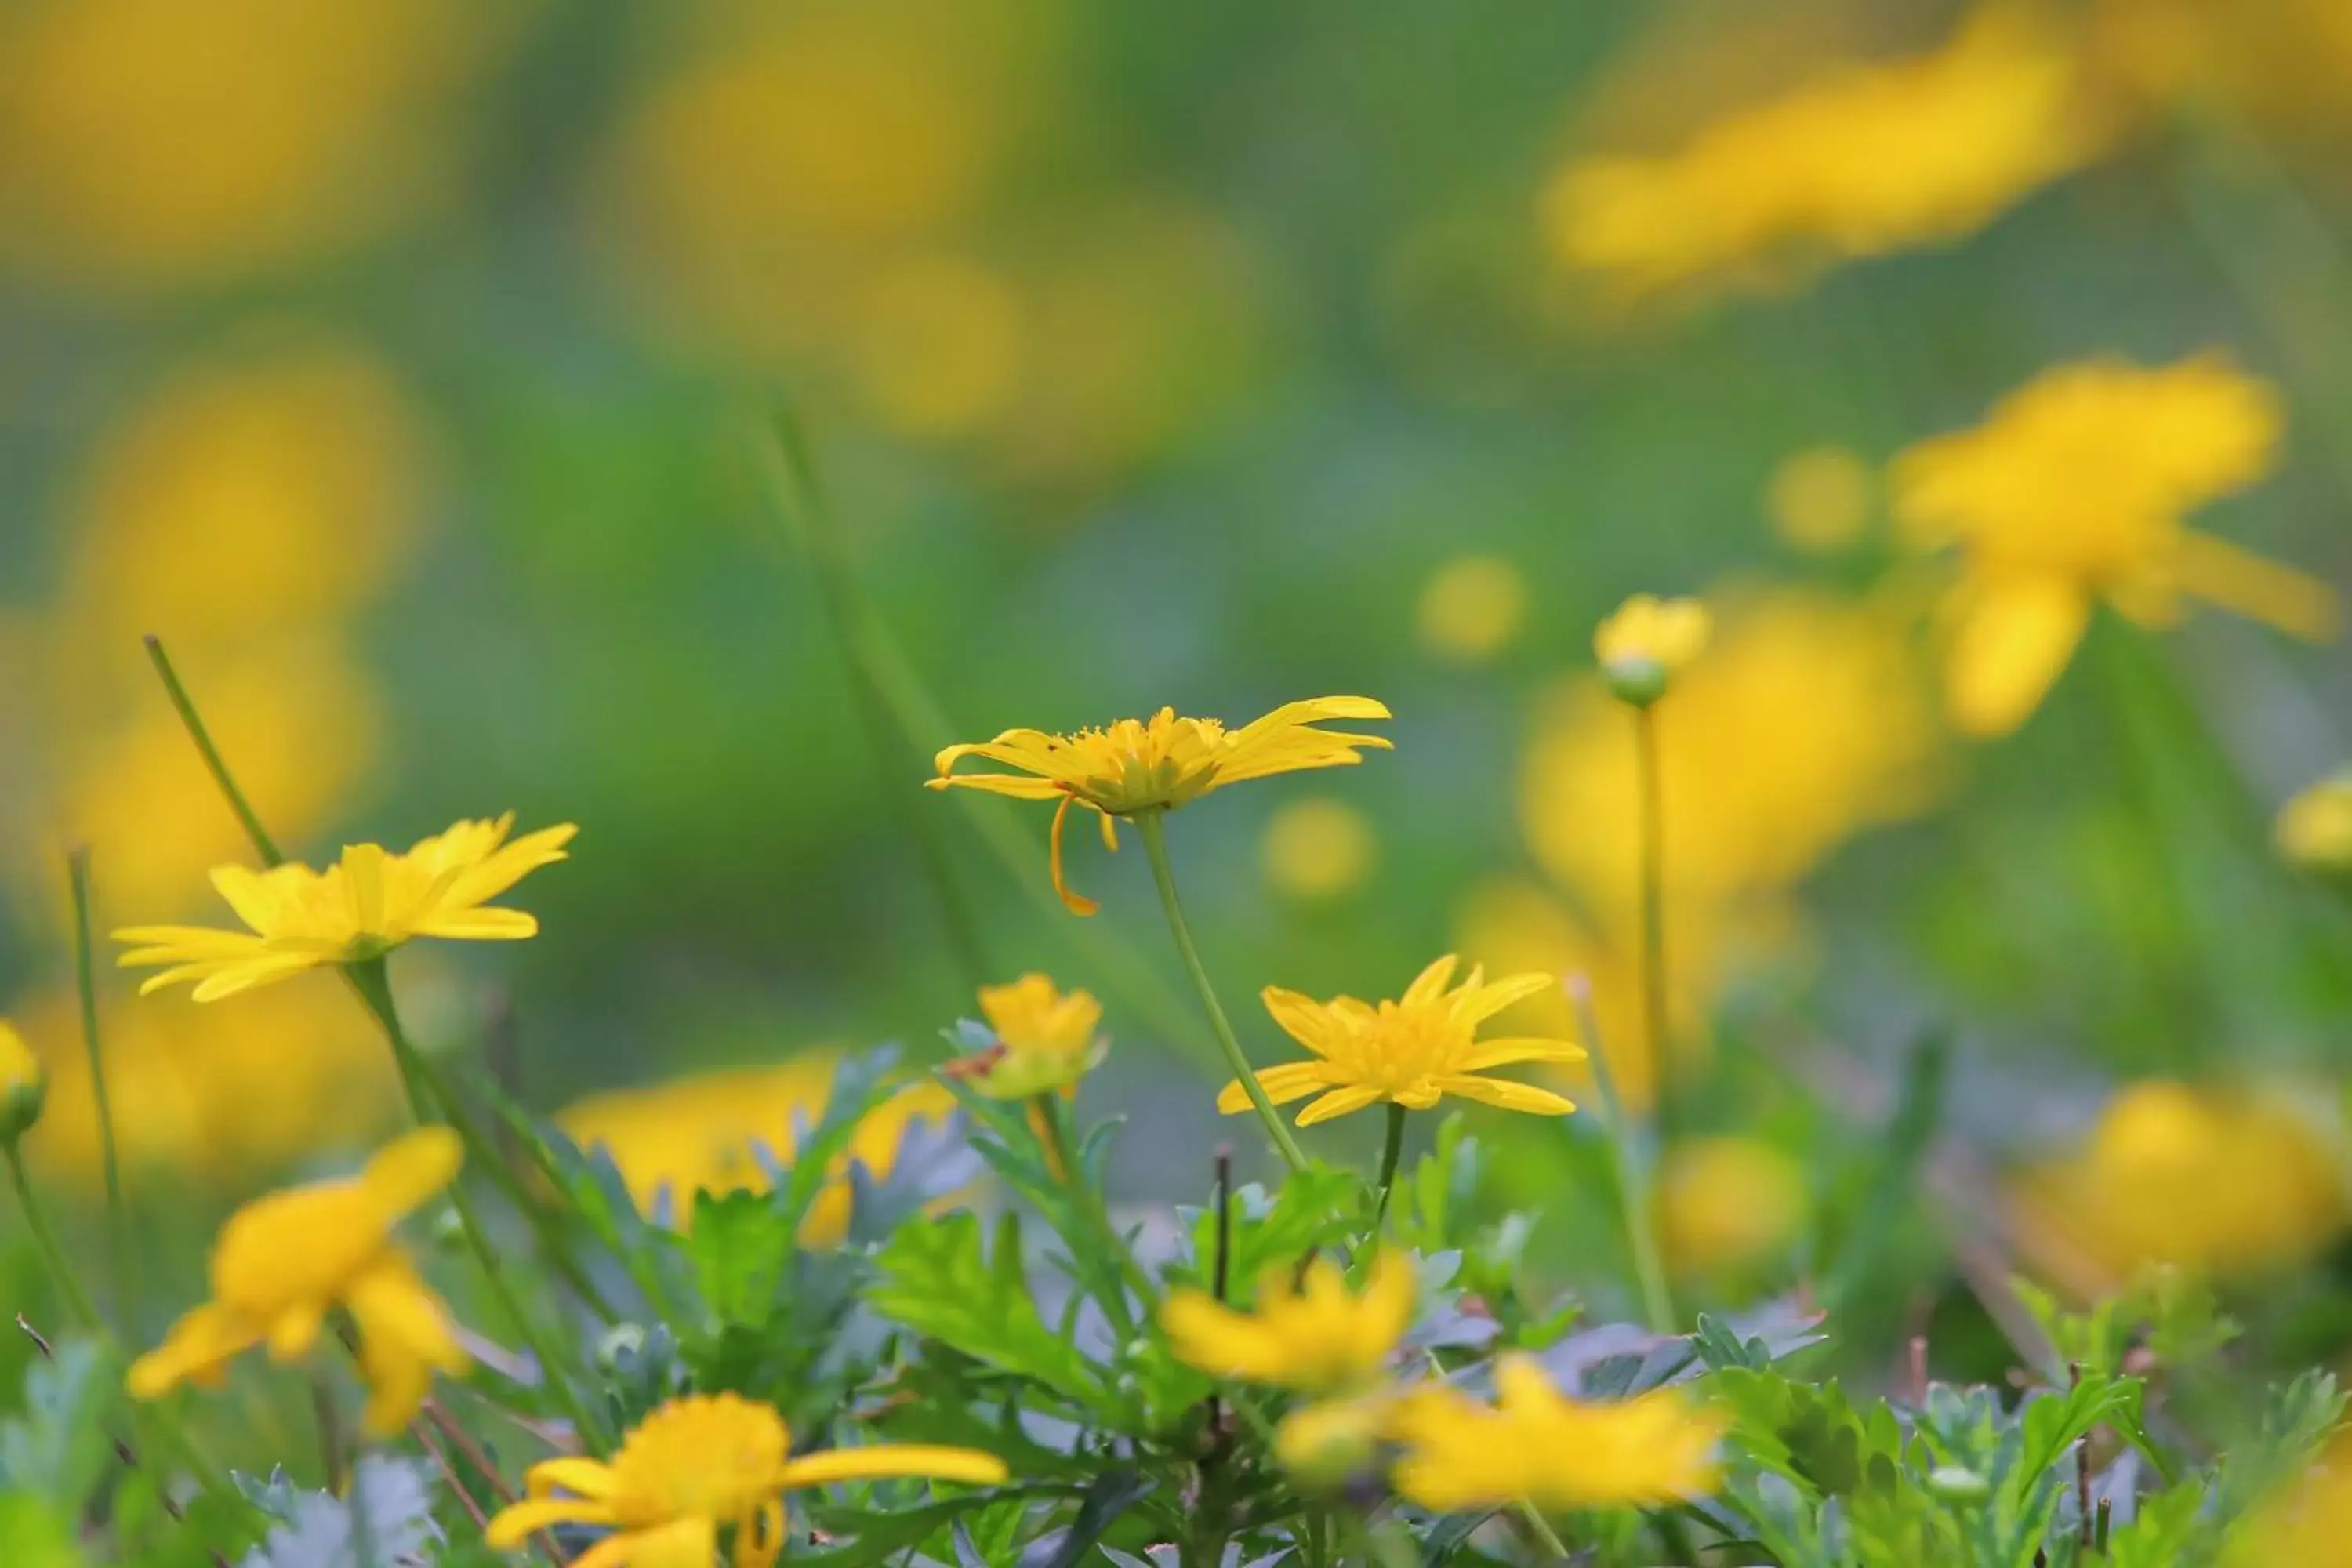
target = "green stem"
x: 801, y: 504
x: 1652, y: 830
x: 61, y: 1268
x: 1047, y: 1116
x: 194, y: 722
x: 1555, y: 1548
x: 374, y: 987
x: 1632, y: 1171
x: 118, y: 1216
x: 1391, y: 1153
x: 1155, y: 847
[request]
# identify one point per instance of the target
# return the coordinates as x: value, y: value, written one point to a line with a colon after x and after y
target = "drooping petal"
x: 251, y: 976
x: 2009, y: 646
x: 586, y: 1478
x: 295, y: 1330
x: 517, y: 1522
x: 1291, y: 1080
x: 412, y: 1168
x: 884, y: 1461
x: 2294, y: 602
x: 1076, y: 903
x: 1339, y: 1102
x: 1506, y: 1095
x: 689, y: 1543
x: 202, y: 1342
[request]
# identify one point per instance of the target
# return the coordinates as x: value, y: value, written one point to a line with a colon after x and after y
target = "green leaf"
x: 58, y: 1449
x: 1112, y: 1494
x: 33, y: 1535
x: 740, y: 1246
x: 937, y: 1280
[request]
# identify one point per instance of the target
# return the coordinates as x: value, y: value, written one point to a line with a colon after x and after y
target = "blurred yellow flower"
x: 936, y: 347
x: 2306, y: 1522
x: 703, y: 1134
x: 2281, y: 64
x: 1726, y: 1203
x: 1046, y: 1039
x: 1325, y: 1441
x: 2074, y: 490
x: 1820, y: 499
x: 23, y: 1085
x: 1471, y: 609
x: 698, y: 1464
x: 1316, y: 849
x: 2213, y: 1182
x: 1537, y: 1445
x: 2314, y: 830
x: 1648, y: 641
x: 363, y: 906
x: 285, y: 1261
x: 147, y: 142
x: 1317, y: 1337
x: 218, y: 1093
x: 1157, y: 764
x: 1410, y: 1052
x: 1861, y: 160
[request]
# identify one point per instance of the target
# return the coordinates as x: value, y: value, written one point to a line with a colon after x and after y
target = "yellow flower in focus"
x: 1647, y: 642
x: 361, y: 908
x: 698, y: 1464
x: 2211, y: 1182
x: 1046, y: 1040
x: 1157, y: 764
x: 1471, y: 609
x: 1540, y: 1446
x: 2314, y: 830
x: 1819, y: 498
x: 219, y: 1094
x: 1727, y: 1202
x: 23, y: 1085
x: 1317, y: 1338
x: 1316, y: 849
x: 284, y: 1261
x: 1863, y: 160
x: 2073, y: 491
x: 700, y: 1134
x: 1410, y: 1052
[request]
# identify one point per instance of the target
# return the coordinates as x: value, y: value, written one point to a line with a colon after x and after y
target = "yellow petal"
x: 886, y: 1460
x: 1291, y: 1080
x: 412, y: 1168
x: 1506, y: 1095
x: 1076, y: 903
x: 2235, y: 579
x: 1339, y: 1102
x: 2012, y: 641
x: 517, y: 1522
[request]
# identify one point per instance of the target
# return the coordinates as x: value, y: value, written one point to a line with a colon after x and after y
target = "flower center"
x: 711, y: 1458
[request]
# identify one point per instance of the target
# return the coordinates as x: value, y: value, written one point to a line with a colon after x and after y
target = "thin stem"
x: 374, y: 987
x: 1155, y: 847
x: 1632, y: 1171
x: 118, y: 1216
x: 800, y: 502
x: 1540, y: 1528
x: 1653, y: 831
x: 262, y: 843
x: 60, y: 1266
x: 1389, y: 1154
x: 1045, y: 1118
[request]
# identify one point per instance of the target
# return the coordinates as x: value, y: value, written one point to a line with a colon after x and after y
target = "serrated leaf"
x: 57, y: 1449
x: 385, y: 1523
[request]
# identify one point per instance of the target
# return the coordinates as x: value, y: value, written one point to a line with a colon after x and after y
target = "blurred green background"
x: 405, y: 365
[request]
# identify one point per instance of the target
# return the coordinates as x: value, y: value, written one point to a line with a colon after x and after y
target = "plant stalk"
x: 1155, y: 847
x: 1631, y: 1169
x: 1391, y: 1153
x: 117, y: 1214
x: 1652, y: 830
x: 61, y: 1268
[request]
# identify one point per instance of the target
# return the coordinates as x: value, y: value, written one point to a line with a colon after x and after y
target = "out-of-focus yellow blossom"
x: 1317, y: 1337
x: 23, y: 1085
x: 1726, y: 1203
x: 146, y: 142
x: 1804, y: 724
x: 1316, y: 849
x: 2314, y: 830
x: 937, y: 345
x: 2213, y: 1182
x: 1327, y: 1441
x: 699, y: 1463
x: 1861, y: 160
x: 361, y: 908
x: 285, y: 1261
x: 2281, y: 64
x: 246, y: 496
x: 1471, y: 609
x: 2074, y: 490
x: 1820, y: 499
x: 1535, y: 1445
x: 1410, y: 1052
x: 1157, y: 764
x: 1647, y: 642
x: 2305, y: 1523
x: 701, y: 1134
x: 1046, y: 1039
x: 217, y: 1092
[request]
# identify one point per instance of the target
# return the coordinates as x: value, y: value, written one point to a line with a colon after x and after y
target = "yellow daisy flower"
x: 1157, y: 764
x: 1647, y: 643
x: 363, y: 907
x: 1410, y: 1052
x: 1537, y: 1445
x: 701, y: 1463
x: 1046, y: 1039
x: 2075, y: 491
x: 1317, y: 1338
x: 284, y: 1261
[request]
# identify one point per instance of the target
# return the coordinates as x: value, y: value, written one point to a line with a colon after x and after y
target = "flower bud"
x: 23, y: 1086
x: 1646, y: 644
